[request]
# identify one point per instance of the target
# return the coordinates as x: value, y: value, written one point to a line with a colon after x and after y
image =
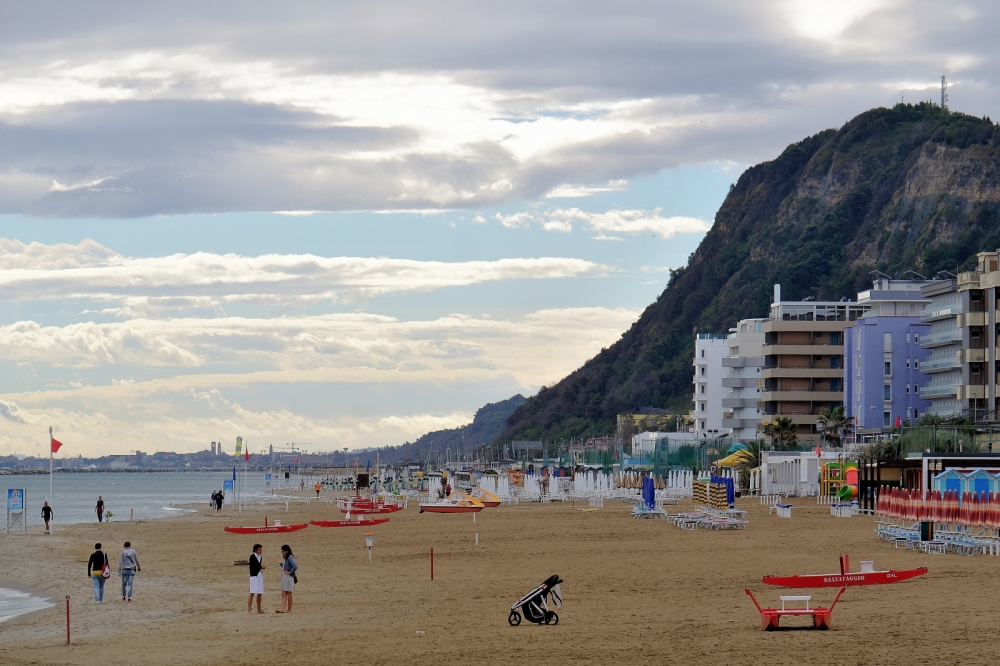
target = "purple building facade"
x: 882, y: 357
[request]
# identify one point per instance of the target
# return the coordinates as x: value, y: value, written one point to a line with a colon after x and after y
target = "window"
x: 886, y: 419
x: 703, y: 353
x: 887, y: 342
x: 836, y: 385
x: 888, y: 369
x: 916, y: 413
x: 702, y: 371
x: 916, y: 363
x: 907, y: 389
x: 916, y: 338
x: 702, y: 406
x: 703, y: 389
x: 835, y: 338
x: 835, y: 362
x: 887, y: 392
x: 907, y: 412
x: 907, y: 338
x: 907, y: 363
x: 857, y: 342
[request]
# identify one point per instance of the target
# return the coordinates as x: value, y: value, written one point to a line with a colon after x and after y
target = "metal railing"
x: 941, y: 337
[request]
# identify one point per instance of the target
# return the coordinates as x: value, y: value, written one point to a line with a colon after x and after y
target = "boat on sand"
x: 846, y: 578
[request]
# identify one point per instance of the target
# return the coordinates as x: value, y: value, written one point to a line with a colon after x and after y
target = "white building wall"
x: 742, y: 367
x: 709, y: 350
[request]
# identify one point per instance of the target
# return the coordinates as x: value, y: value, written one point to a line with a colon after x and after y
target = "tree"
x: 834, y: 422
x: 783, y: 432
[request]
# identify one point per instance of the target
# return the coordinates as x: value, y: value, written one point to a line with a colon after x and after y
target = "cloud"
x: 59, y: 187
x: 90, y: 270
x: 395, y: 107
x: 572, y: 191
x: 327, y: 379
x: 603, y: 224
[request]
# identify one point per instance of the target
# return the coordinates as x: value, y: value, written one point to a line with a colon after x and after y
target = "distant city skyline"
x: 351, y: 225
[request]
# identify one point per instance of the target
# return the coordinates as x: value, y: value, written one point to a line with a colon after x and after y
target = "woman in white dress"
x: 257, y: 567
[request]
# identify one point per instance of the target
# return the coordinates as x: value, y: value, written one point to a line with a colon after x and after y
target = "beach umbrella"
x: 991, y: 518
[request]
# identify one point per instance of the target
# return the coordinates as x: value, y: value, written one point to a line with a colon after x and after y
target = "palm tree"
x: 834, y: 421
x: 783, y: 431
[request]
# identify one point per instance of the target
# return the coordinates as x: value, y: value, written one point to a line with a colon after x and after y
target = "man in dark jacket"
x: 95, y: 569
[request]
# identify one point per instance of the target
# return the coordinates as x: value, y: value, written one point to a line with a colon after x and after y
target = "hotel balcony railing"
x: 941, y: 338
x: 940, y: 313
x: 931, y: 391
x: 932, y: 364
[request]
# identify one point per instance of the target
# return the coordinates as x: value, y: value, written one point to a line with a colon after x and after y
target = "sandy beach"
x: 635, y: 592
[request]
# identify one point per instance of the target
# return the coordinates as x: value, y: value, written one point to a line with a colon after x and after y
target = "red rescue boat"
x: 845, y: 578
x: 349, y: 523
x: 272, y: 529
x: 385, y: 508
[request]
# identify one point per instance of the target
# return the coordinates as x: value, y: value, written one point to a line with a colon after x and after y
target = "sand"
x: 636, y: 592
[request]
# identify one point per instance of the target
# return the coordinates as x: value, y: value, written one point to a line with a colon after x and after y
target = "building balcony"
x: 818, y: 373
x: 941, y: 338
x: 803, y: 395
x: 940, y: 391
x: 739, y: 382
x: 932, y: 365
x: 739, y: 403
x: 803, y: 350
x: 940, y: 313
x: 742, y: 362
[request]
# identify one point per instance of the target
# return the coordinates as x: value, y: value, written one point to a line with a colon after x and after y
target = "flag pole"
x: 50, y: 465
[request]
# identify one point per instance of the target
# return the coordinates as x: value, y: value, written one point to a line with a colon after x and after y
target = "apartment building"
x: 963, y: 367
x: 883, y: 356
x: 803, y: 352
x: 709, y: 349
x: 742, y: 366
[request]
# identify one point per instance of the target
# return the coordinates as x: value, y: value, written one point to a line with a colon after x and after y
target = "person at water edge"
x: 317, y: 488
x: 256, y: 577
x: 46, y: 515
x: 288, y: 578
x: 100, y: 509
x: 219, y: 499
x: 95, y: 569
x: 213, y: 499
x: 128, y: 565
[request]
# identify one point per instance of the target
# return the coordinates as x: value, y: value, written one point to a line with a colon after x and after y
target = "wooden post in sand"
x: 432, y: 564
x: 67, y: 619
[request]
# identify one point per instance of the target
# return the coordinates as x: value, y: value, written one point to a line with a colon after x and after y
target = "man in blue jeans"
x: 128, y: 564
x: 95, y: 569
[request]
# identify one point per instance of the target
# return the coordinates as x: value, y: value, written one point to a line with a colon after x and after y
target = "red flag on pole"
x: 246, y: 452
x: 899, y: 422
x: 55, y: 445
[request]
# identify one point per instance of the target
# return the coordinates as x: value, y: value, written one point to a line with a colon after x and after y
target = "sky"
x: 346, y: 224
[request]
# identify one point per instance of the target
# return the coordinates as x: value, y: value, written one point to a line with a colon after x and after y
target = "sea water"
x: 15, y: 602
x: 147, y: 495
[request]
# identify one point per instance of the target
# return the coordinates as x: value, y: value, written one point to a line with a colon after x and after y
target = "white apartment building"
x: 745, y: 359
x: 709, y: 350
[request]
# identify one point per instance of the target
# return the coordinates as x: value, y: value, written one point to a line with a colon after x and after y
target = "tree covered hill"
x: 486, y: 425
x: 914, y: 187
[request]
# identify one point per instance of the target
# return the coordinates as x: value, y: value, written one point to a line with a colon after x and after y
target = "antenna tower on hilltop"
x: 944, y: 92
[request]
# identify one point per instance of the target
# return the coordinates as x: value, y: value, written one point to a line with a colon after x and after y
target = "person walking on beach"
x: 256, y: 577
x: 318, y: 486
x: 95, y: 570
x: 288, y: 579
x: 100, y: 509
x: 46, y: 515
x: 219, y: 499
x: 128, y: 564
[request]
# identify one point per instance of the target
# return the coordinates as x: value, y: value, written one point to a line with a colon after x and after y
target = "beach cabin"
x: 950, y: 479
x: 981, y: 481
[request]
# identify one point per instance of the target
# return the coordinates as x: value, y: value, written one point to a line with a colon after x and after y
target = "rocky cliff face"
x: 914, y: 187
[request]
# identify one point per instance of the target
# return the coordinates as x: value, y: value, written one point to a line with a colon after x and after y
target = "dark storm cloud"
x: 139, y: 109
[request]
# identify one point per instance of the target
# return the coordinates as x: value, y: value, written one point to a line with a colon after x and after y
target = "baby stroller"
x: 534, y: 604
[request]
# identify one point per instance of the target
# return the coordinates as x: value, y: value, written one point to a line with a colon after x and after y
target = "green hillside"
x: 914, y: 187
